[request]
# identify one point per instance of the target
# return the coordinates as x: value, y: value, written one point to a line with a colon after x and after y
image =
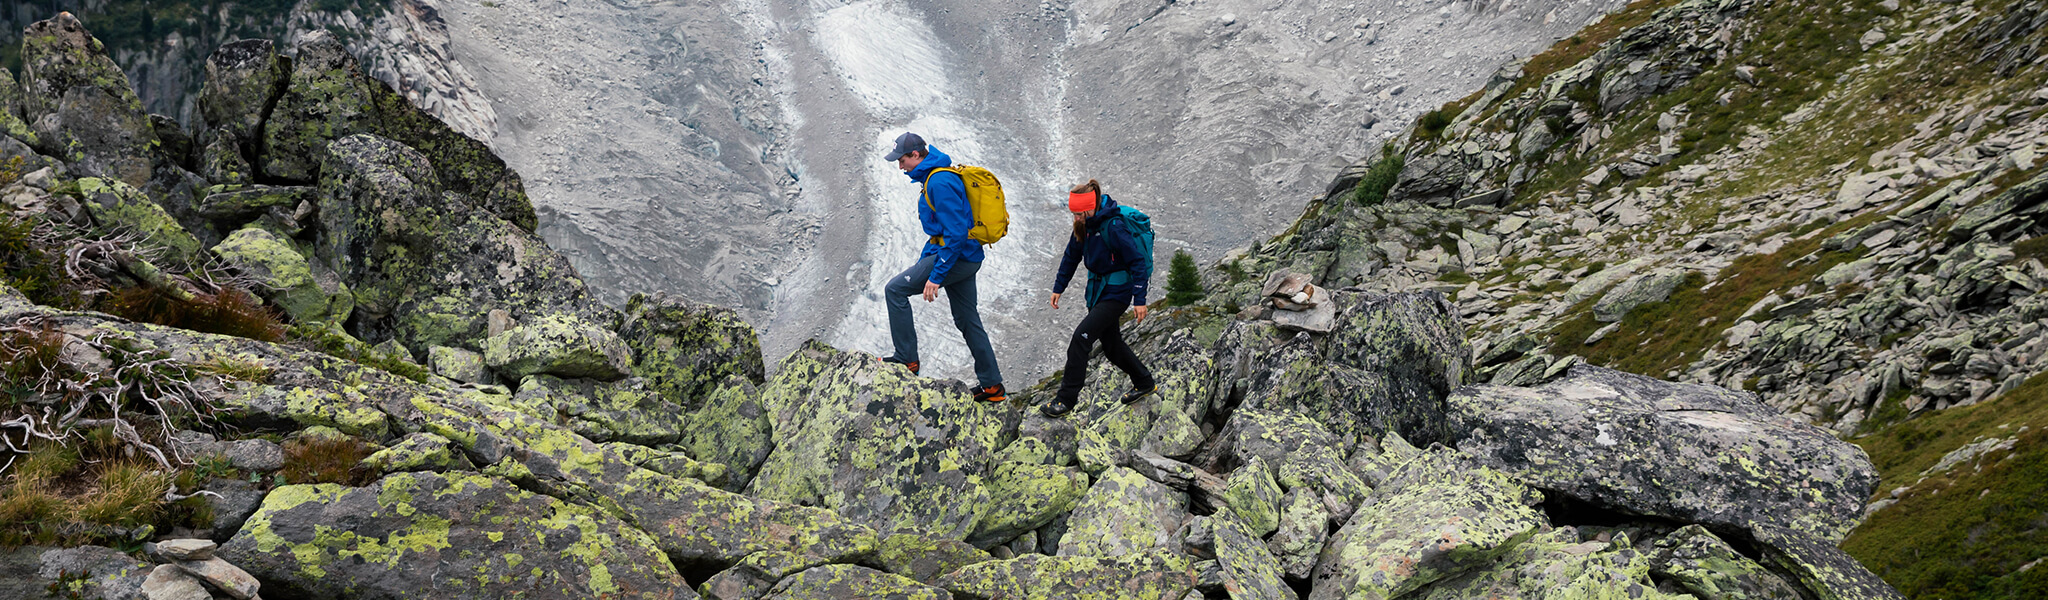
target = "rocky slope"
x: 1831, y: 205
x: 555, y: 448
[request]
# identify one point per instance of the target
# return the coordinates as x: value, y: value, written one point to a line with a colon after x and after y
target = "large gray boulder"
x: 852, y: 581
x: 1444, y: 518
x: 731, y: 429
x: 11, y: 123
x: 1165, y: 422
x: 879, y: 445
x: 307, y: 292
x: 1024, y: 497
x: 1556, y: 564
x: 330, y: 541
x: 1654, y: 286
x: 561, y: 345
x: 98, y: 572
x: 80, y: 104
x: 1692, y: 453
x: 624, y: 411
x: 1250, y: 572
x: 1708, y: 568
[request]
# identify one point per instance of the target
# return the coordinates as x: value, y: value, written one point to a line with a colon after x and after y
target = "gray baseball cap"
x: 905, y: 144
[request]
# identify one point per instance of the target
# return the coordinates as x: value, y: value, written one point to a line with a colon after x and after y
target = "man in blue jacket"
x: 949, y: 261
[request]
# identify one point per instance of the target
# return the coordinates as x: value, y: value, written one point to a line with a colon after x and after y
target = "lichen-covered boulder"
x: 308, y: 293
x: 1254, y: 497
x: 1555, y: 564
x: 331, y: 541
x: 1148, y: 576
x: 879, y: 445
x: 327, y: 96
x: 1185, y: 375
x: 732, y: 429
x: 1654, y: 286
x: 459, y: 364
x: 11, y: 123
x: 560, y: 345
x: 118, y: 206
x: 852, y: 581
x: 242, y: 77
x: 1692, y: 453
x: 80, y: 104
x: 1821, y: 566
x: 1301, y: 453
x: 687, y: 350
x: 220, y: 161
x: 417, y: 452
x: 1444, y: 519
x: 241, y: 203
x: 1304, y: 526
x: 428, y: 267
x: 673, y: 464
x: 623, y: 410
x: 925, y: 559
x: 755, y: 575
x: 1250, y: 572
x: 1710, y: 569
x: 697, y: 525
x: 96, y: 572
x: 1392, y: 361
x: 1124, y: 513
x: 1026, y: 496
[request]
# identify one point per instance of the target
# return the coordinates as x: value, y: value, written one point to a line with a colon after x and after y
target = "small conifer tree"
x: 1183, y: 282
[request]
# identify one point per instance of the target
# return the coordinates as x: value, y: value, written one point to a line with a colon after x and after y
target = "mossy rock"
x: 462, y: 365
x: 331, y: 541
x: 1555, y: 564
x: 1710, y: 569
x: 242, y: 78
x: 1447, y: 518
x: 879, y: 445
x: 732, y: 430
x: 925, y: 559
x: 1304, y: 526
x: 687, y: 350
x: 852, y: 581
x: 417, y: 452
x: 11, y: 122
x: 98, y: 125
x: 623, y: 410
x: 1024, y: 497
x: 756, y: 574
x: 1254, y: 497
x: 307, y: 293
x: 561, y: 345
x: 1298, y: 450
x: 1250, y: 572
x: 117, y: 206
x: 1124, y: 513
x: 1147, y: 576
x: 1185, y: 376
x: 670, y: 463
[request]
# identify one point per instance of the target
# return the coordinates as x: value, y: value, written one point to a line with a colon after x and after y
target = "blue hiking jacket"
x: 953, y: 217
x: 1108, y: 249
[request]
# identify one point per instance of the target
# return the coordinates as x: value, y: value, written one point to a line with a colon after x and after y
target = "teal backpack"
x: 1140, y: 226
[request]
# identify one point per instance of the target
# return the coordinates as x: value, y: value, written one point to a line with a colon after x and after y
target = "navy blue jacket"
x: 947, y: 218
x: 1108, y: 249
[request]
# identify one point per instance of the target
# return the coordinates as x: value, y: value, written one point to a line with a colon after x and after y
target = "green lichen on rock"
x: 346, y: 409
x: 1556, y: 564
x: 416, y: 452
x: 1254, y: 497
x: 1250, y: 572
x: 1445, y: 518
x: 688, y: 350
x: 562, y: 345
x: 237, y: 202
x: 1300, y: 451
x: 1184, y: 374
x: 1304, y: 526
x: 1147, y: 576
x: 1710, y: 569
x: 242, y: 77
x: 852, y: 581
x: 673, y: 464
x: 1026, y: 496
x: 878, y: 445
x: 925, y: 559
x: 98, y: 125
x: 11, y: 122
x: 623, y: 410
x: 118, y: 206
x: 326, y: 97
x: 1124, y: 513
x: 288, y: 279
x: 486, y: 538
x: 466, y: 366
x: 731, y: 429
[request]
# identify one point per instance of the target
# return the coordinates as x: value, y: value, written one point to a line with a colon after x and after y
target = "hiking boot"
x: 1057, y: 408
x: 993, y: 393
x: 912, y: 365
x: 1136, y: 395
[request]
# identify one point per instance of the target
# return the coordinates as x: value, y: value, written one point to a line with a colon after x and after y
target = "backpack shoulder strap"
x: 928, y: 185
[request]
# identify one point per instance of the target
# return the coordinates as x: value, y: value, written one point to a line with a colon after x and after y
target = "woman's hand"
x: 1140, y: 311
x: 1055, y: 300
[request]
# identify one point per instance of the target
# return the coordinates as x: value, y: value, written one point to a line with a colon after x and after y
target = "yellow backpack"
x: 984, y: 199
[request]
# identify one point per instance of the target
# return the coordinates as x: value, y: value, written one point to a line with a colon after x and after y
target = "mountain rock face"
x: 649, y: 454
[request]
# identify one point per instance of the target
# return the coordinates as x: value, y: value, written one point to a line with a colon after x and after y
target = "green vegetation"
x: 89, y: 490
x: 332, y: 342
x: 1660, y: 336
x: 1432, y: 123
x: 1967, y: 532
x: 1183, y: 280
x: 1373, y: 187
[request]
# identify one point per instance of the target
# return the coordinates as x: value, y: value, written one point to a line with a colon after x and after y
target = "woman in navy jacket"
x: 1118, y: 271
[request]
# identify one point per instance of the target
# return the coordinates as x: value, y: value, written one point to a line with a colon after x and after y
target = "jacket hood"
x: 1103, y: 213
x: 936, y: 160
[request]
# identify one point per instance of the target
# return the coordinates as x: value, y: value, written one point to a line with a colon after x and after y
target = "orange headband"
x: 1082, y: 202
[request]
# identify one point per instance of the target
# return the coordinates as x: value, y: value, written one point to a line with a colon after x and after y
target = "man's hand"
x: 1055, y: 300
x: 931, y: 291
x: 1140, y: 311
